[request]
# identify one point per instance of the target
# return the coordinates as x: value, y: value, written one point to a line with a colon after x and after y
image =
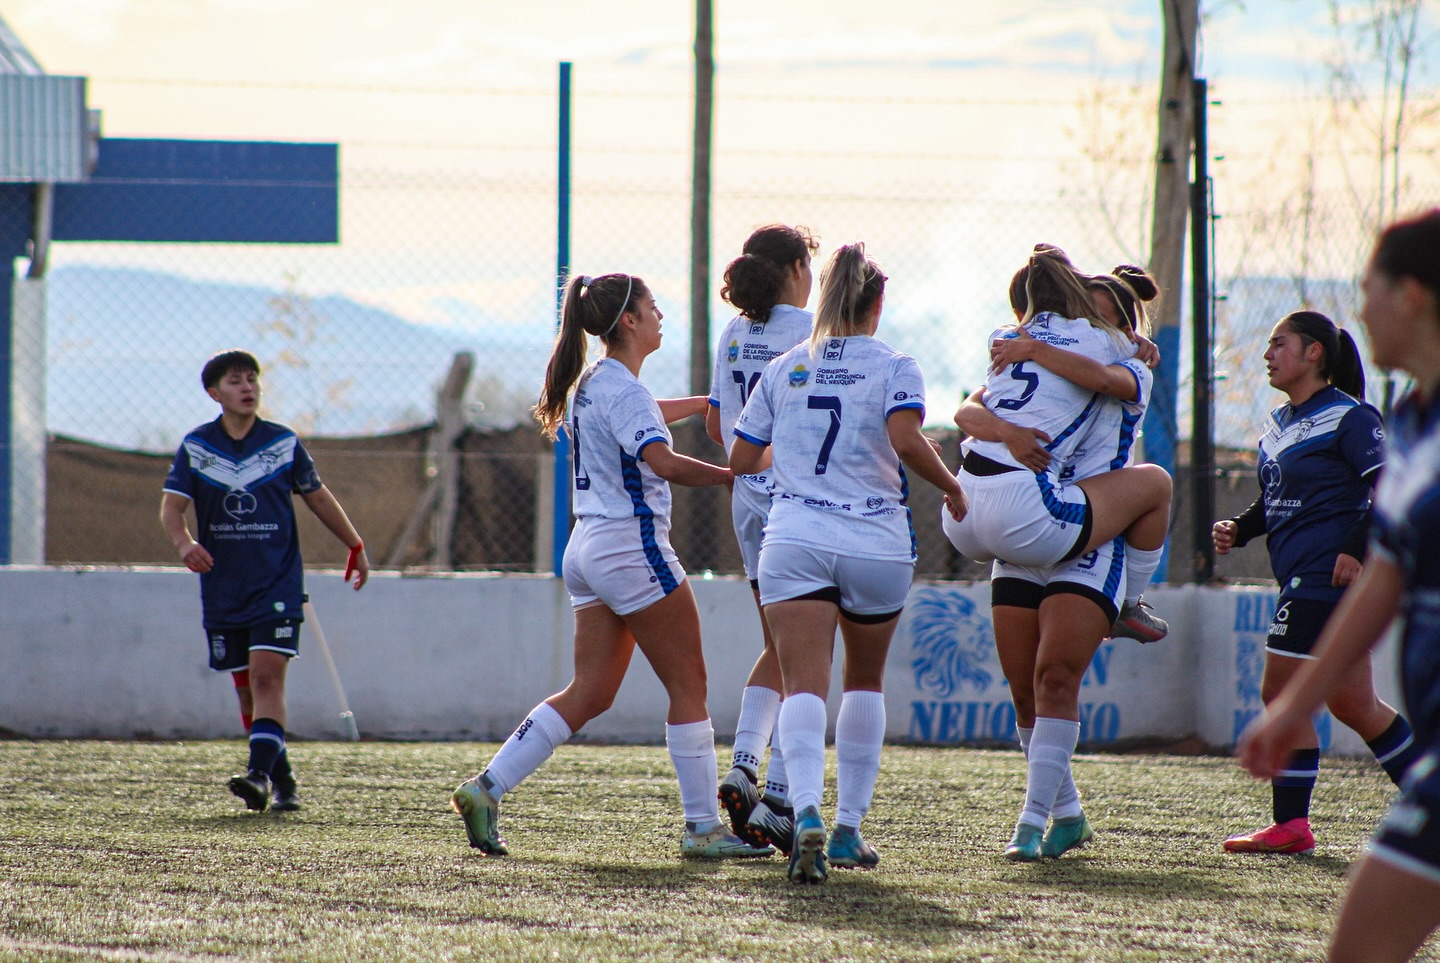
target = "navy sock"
x: 1291, y: 789
x: 267, y: 741
x: 1395, y: 749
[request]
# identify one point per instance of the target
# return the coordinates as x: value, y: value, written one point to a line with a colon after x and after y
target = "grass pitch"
x: 135, y: 851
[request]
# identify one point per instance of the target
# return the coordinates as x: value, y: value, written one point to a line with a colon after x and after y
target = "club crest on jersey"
x: 834, y: 349
x: 1270, y: 475
x: 800, y: 377
x: 732, y: 353
x: 1302, y: 431
x: 268, y: 460
x: 239, y: 503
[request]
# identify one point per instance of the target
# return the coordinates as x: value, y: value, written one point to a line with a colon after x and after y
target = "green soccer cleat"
x: 718, y: 843
x: 1024, y: 846
x: 480, y: 810
x: 807, y: 859
x: 1065, y: 835
x: 849, y: 849
x: 253, y: 788
x: 739, y: 797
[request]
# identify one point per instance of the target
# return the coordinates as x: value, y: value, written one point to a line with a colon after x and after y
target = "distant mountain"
x: 126, y: 347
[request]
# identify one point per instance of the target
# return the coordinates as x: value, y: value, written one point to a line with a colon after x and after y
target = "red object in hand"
x: 354, y: 558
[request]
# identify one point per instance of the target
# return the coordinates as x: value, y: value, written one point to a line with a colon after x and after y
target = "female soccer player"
x: 242, y: 472
x: 770, y: 285
x: 1049, y: 622
x: 1393, y: 901
x: 1320, y: 455
x: 1030, y: 517
x: 625, y: 583
x: 841, y: 414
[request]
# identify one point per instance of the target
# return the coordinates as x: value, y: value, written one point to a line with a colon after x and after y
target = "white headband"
x: 629, y: 286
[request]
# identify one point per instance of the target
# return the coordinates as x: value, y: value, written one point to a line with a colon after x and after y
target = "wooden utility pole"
x: 700, y: 200
x: 701, y: 507
x: 1167, y: 233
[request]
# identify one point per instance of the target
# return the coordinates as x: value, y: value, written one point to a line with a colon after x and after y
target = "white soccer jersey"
x: 1029, y: 395
x: 838, y: 483
x: 1108, y: 442
x: 612, y: 418
x: 745, y: 348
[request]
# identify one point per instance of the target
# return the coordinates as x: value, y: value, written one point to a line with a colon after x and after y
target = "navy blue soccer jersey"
x: 1407, y: 532
x: 1316, y: 465
x: 242, y: 491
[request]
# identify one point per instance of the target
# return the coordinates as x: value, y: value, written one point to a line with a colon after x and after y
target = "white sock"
x: 758, y: 708
x: 802, y: 734
x: 1051, y: 745
x: 777, y: 781
x: 1140, y: 565
x: 859, y: 734
x: 528, y: 747
x: 692, y: 750
x: 1067, y: 800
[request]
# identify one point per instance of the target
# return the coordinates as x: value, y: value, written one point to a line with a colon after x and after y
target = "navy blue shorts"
x: 230, y: 648
x: 1297, y: 625
x: 1409, y: 835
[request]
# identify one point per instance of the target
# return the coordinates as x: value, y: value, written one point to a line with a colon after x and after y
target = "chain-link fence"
x: 448, y: 250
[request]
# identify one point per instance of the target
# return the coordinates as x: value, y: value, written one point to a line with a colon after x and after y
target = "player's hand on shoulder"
x: 1008, y: 351
x: 1147, y: 352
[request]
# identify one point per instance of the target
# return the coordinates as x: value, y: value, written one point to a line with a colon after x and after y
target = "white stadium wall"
x: 119, y: 653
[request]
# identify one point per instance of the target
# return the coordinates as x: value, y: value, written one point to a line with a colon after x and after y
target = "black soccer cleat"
x: 253, y: 788
x: 284, y: 796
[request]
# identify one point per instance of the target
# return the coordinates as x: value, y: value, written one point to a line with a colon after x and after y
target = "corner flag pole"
x: 346, y: 715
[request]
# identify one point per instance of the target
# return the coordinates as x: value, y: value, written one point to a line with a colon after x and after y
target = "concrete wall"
x: 119, y: 653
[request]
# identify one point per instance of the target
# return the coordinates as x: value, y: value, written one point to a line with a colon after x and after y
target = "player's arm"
x: 1115, y: 381
x: 918, y: 455
x: 1359, y: 622
x: 172, y: 517
x: 748, y: 457
x: 678, y: 409
x: 680, y: 469
x: 327, y: 508
x: 712, y: 424
x: 1027, y: 445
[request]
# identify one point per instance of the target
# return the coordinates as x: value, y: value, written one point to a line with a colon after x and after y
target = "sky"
x: 846, y: 112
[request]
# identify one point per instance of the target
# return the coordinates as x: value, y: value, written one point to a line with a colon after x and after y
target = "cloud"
x: 91, y: 23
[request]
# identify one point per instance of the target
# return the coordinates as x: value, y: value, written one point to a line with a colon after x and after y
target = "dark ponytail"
x: 1340, y: 359
x: 592, y: 306
x: 1131, y: 287
x: 755, y: 279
